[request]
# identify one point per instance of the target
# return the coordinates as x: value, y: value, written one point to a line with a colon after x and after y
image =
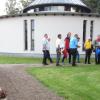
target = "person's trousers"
x: 64, y: 59
x: 87, y: 56
x: 58, y: 56
x: 73, y: 54
x: 69, y: 53
x: 78, y: 57
x: 45, y: 56
x: 97, y: 57
x: 48, y: 56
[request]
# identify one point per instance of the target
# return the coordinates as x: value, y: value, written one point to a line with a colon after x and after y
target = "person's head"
x: 69, y: 34
x: 46, y: 36
x: 89, y: 38
x: 76, y: 36
x: 59, y: 36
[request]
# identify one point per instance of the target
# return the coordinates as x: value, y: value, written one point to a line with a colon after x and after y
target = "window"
x: 25, y: 35
x: 54, y: 8
x: 84, y: 31
x: 91, y: 29
x: 73, y: 9
x: 47, y: 8
x: 67, y: 8
x: 32, y: 34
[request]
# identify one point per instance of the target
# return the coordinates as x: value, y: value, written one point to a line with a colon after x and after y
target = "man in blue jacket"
x: 73, y: 48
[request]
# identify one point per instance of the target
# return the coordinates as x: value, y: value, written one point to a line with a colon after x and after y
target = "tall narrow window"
x: 25, y: 35
x: 32, y: 34
x: 91, y: 29
x: 84, y: 31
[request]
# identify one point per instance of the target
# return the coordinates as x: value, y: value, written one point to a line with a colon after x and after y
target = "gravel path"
x: 21, y: 86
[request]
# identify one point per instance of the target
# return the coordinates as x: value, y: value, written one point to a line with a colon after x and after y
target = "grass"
x: 24, y: 60
x: 19, y: 60
x: 72, y: 83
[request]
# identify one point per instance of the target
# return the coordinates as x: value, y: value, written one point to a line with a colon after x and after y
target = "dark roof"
x: 74, y: 2
x: 37, y: 3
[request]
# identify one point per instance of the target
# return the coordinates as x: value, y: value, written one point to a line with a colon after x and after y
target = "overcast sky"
x: 2, y: 7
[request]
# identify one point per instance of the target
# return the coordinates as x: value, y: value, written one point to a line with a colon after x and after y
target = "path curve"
x: 21, y: 86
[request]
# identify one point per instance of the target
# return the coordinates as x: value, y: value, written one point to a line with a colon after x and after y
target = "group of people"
x: 69, y: 49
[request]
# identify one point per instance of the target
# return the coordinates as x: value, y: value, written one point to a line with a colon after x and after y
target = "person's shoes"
x: 89, y: 63
x: 58, y: 65
x: 45, y: 64
x: 51, y: 62
x: 73, y: 64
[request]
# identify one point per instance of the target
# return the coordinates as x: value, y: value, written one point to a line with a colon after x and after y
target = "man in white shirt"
x: 58, y: 49
x: 45, y: 48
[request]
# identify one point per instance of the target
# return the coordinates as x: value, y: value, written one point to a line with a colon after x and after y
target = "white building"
x: 23, y: 33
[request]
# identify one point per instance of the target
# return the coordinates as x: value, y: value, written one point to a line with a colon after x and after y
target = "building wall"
x: 11, y: 35
x: 12, y: 31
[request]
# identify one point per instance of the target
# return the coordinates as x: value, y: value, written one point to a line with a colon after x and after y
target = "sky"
x: 2, y: 7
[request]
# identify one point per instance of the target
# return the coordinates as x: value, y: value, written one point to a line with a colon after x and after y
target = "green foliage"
x: 11, y: 7
x: 25, y: 3
x: 15, y: 7
x: 93, y: 4
x: 73, y: 83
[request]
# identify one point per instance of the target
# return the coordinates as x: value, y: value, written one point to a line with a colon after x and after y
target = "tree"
x: 14, y: 7
x: 11, y: 7
x: 93, y: 4
x: 98, y: 7
x: 25, y: 3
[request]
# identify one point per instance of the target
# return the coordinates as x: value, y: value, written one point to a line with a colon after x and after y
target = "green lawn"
x: 72, y: 83
x: 19, y: 60
x: 25, y: 60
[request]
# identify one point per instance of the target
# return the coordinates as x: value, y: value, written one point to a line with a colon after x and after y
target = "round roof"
x: 41, y: 2
x: 37, y: 3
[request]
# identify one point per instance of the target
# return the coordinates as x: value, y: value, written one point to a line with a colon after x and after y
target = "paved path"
x: 21, y: 86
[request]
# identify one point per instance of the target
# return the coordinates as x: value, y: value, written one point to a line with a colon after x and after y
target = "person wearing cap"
x: 73, y: 48
x: 88, y: 50
x: 96, y: 46
x: 58, y: 49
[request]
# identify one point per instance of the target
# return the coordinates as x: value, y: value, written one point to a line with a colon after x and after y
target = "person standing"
x: 73, y: 48
x: 48, y: 51
x: 96, y: 46
x: 67, y: 42
x: 45, y: 49
x: 64, y: 52
x: 88, y: 50
x: 78, y: 55
x: 58, y: 49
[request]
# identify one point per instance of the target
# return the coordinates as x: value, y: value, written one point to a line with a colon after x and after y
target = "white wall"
x: 11, y: 35
x: 12, y: 31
